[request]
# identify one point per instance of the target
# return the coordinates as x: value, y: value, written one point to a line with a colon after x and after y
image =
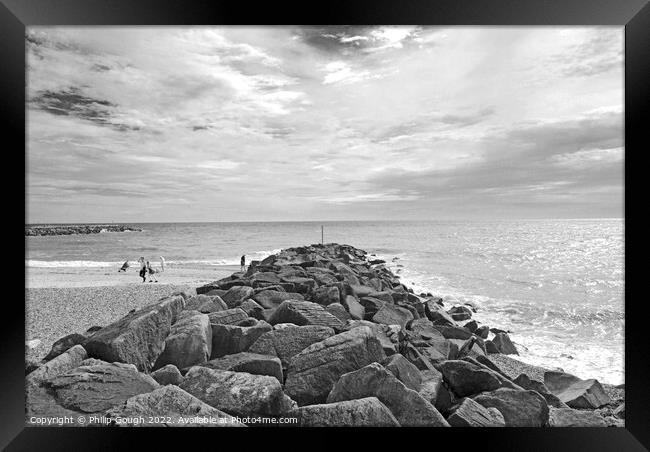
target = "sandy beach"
x: 61, y: 301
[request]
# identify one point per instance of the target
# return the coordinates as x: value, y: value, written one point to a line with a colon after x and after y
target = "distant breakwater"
x: 77, y: 229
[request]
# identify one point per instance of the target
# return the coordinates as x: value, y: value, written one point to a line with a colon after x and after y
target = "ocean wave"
x: 257, y: 255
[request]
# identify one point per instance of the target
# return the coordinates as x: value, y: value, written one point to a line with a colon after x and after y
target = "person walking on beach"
x: 152, y: 273
x: 143, y: 269
x: 243, y: 262
x: 125, y: 265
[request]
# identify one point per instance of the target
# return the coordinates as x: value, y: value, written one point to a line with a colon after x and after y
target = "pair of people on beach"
x: 145, y: 267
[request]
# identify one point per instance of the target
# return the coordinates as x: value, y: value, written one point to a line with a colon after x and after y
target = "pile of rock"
x: 70, y: 229
x: 319, y: 334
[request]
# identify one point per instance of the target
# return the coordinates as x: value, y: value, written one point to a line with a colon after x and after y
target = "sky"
x: 166, y: 124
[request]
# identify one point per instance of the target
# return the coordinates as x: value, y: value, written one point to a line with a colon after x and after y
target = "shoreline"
x: 327, y: 286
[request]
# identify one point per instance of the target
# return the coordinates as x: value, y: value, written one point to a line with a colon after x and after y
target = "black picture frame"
x: 15, y: 15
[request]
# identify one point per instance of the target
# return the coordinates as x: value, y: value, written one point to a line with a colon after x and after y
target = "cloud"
x: 342, y: 122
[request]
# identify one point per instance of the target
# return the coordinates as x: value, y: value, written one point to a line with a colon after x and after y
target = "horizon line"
x: 320, y: 221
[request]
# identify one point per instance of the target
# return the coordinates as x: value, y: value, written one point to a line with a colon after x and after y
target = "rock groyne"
x: 70, y: 229
x: 319, y: 336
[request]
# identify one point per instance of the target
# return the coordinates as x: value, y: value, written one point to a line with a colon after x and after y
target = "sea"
x: 557, y: 285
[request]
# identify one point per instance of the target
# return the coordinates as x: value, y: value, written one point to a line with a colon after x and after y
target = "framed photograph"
x: 362, y: 215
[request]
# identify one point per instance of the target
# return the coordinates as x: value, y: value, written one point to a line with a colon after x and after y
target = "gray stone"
x: 326, y: 295
x: 526, y: 383
x: 252, y: 309
x: 437, y: 314
x: 170, y: 403
x: 252, y: 363
x: 189, y: 342
x: 482, y: 332
x: 434, y: 390
x: 366, y: 412
x: 404, y: 370
x: 64, y: 344
x: 338, y: 311
x: 352, y: 305
x: 230, y: 339
x: 568, y: 417
x: 287, y: 342
x: 236, y: 295
x: 392, y: 315
x: 271, y: 299
x: 58, y: 365
x: 469, y: 413
x: 98, y: 387
x: 237, y: 393
x: 227, y: 317
x: 504, y: 344
x: 460, y: 313
x: 519, y: 408
x: 167, y: 375
x: 466, y: 378
x: 313, y: 372
x: 304, y: 313
x: 426, y: 329
x: 138, y: 338
x: 575, y: 392
x: 205, y: 304
x: 409, y: 408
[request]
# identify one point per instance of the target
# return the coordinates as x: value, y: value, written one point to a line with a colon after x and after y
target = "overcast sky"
x: 135, y: 124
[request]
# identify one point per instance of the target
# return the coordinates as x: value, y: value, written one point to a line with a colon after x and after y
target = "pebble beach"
x: 61, y: 301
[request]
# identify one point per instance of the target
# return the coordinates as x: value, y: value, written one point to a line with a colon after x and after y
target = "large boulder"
x: 97, y: 387
x: 404, y: 370
x: 453, y: 332
x: 171, y: 405
x: 575, y: 392
x: 371, y: 306
x: 366, y: 412
x: 205, y: 304
x: 313, y: 372
x: 568, y: 417
x: 252, y: 309
x: 373, y: 380
x: 437, y: 314
x: 519, y: 408
x: 504, y: 344
x: 469, y: 413
x: 459, y: 313
x: 326, y: 295
x: 236, y: 295
x: 228, y: 317
x: 188, y: 343
x: 338, y: 311
x: 301, y: 285
x: 287, y: 342
x: 230, y: 339
x: 390, y: 314
x: 387, y: 335
x: 352, y: 305
x: 271, y: 299
x: 434, y: 390
x: 138, y: 338
x: 64, y: 344
x: 304, y: 313
x: 527, y: 383
x: 168, y: 375
x: 58, y: 365
x: 251, y: 363
x: 237, y: 393
x: 466, y: 379
x: 425, y: 329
